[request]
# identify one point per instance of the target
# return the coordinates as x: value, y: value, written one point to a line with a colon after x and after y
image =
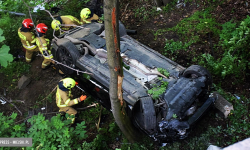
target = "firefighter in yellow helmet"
x: 27, y: 38
x: 63, y: 97
x: 68, y: 20
x: 44, y: 45
x: 87, y: 16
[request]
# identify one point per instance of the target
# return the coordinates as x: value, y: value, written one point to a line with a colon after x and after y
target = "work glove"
x: 82, y: 98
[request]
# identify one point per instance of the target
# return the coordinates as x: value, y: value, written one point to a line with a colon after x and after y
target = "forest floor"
x: 43, y: 82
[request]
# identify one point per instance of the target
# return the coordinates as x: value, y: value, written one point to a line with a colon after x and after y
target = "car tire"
x: 144, y: 115
x: 67, y: 54
x: 199, y: 71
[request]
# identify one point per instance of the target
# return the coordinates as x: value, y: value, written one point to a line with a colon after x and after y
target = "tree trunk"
x: 111, y: 9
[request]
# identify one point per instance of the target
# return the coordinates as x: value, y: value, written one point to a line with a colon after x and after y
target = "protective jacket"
x: 64, y: 102
x: 69, y: 20
x: 29, y: 43
x: 43, y: 45
x: 95, y: 17
x: 27, y: 39
x: 63, y: 98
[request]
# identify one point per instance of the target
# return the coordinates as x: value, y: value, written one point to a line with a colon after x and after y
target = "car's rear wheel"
x: 67, y: 54
x: 196, y: 71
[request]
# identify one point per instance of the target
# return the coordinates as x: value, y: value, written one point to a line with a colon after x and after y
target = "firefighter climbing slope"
x: 43, y: 45
x: 27, y: 38
x: 63, y: 97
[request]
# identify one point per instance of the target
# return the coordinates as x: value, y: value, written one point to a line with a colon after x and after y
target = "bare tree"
x: 111, y: 9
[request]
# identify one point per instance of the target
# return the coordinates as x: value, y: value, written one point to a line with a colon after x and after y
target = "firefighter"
x: 27, y: 38
x: 44, y: 45
x: 68, y: 20
x: 87, y: 16
x: 63, y: 97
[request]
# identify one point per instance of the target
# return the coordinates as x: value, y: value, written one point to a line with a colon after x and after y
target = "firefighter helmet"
x: 42, y: 28
x: 85, y: 13
x: 69, y: 83
x: 55, y: 24
x: 27, y: 23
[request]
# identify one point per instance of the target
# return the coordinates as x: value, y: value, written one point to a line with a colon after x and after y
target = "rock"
x: 23, y: 82
x: 222, y: 104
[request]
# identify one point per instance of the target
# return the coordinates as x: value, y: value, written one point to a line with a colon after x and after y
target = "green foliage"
x: 8, y: 127
x: 234, y: 41
x: 172, y: 46
x: 227, y: 65
x: 196, y: 26
x: 15, y: 69
x: 79, y: 131
x: 163, y: 71
x: 92, y: 114
x: 73, y: 7
x: 10, y: 5
x: 158, y: 90
x: 170, y: 6
x: 54, y: 134
x: 174, y: 116
x: 45, y: 134
x: 4, y: 52
x: 103, y: 139
x: 10, y: 24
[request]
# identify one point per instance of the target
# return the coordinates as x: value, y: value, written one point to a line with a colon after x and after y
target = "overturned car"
x: 165, y: 117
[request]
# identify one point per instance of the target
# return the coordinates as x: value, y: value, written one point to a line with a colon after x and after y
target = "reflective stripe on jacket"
x: 28, y: 39
x: 63, y: 100
x: 43, y: 45
x: 69, y: 20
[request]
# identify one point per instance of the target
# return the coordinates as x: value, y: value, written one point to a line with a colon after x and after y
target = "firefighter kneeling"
x: 63, y: 96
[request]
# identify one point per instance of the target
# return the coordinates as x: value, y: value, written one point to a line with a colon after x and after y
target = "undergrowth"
x: 158, y: 90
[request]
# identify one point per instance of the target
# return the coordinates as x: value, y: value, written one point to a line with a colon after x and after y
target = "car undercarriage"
x: 166, y: 117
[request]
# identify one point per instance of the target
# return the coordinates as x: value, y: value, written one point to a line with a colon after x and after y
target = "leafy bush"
x: 10, y: 26
x: 227, y: 65
x: 5, y: 56
x: 55, y: 133
x: 235, y: 42
x: 45, y: 134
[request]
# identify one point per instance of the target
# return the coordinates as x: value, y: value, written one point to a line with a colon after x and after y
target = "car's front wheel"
x: 67, y: 54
